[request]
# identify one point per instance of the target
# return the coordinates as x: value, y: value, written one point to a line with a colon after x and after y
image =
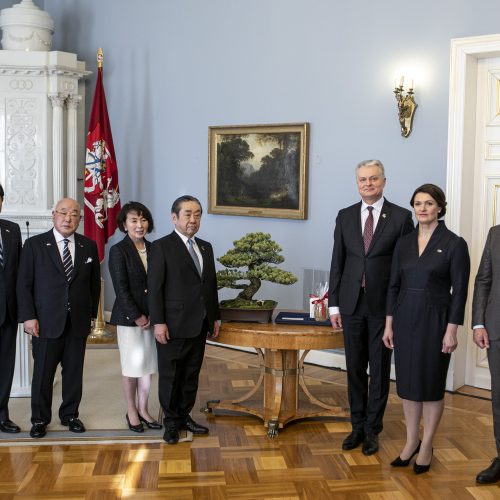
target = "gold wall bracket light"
x: 406, y: 106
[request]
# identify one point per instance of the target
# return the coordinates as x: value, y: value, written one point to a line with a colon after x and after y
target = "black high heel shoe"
x: 420, y: 469
x: 134, y: 428
x: 150, y: 425
x: 399, y: 462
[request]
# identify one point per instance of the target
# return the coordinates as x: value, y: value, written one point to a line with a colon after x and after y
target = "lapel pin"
x: 7, y: 230
x: 202, y: 247
x: 383, y: 215
x: 439, y: 250
x: 49, y: 244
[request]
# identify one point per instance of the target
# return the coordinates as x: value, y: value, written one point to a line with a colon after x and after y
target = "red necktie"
x: 368, y: 232
x: 367, y: 237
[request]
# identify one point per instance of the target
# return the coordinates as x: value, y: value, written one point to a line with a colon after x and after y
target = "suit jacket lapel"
x: 53, y: 250
x: 6, y: 242
x: 385, y: 215
x: 79, y: 256
x: 132, y: 251
x: 185, y: 253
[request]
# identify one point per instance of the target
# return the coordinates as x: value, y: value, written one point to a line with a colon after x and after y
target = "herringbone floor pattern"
x: 238, y: 461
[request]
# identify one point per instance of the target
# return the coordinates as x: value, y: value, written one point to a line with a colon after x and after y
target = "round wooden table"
x: 282, y: 370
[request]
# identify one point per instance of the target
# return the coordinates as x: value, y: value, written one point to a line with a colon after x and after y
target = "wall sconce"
x: 406, y: 105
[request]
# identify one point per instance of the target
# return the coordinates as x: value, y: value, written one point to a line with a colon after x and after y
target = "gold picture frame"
x: 258, y: 170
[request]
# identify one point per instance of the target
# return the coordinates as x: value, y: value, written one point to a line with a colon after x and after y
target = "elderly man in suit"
x: 486, y: 326
x: 58, y: 291
x: 184, y: 310
x: 10, y: 250
x: 364, y: 240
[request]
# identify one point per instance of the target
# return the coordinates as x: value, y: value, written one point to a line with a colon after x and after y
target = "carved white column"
x: 72, y: 146
x: 57, y: 101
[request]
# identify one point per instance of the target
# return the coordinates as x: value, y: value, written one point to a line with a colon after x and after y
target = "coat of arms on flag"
x: 101, y: 191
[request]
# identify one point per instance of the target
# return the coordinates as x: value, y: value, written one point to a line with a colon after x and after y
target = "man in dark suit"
x: 486, y: 326
x: 184, y: 309
x: 364, y: 241
x: 10, y: 250
x: 58, y: 291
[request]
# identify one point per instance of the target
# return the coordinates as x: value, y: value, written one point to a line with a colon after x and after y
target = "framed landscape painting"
x: 258, y: 170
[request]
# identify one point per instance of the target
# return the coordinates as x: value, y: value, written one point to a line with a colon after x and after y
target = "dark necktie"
x: 367, y: 237
x: 368, y: 232
x: 195, y: 258
x: 67, y: 262
x: 1, y: 254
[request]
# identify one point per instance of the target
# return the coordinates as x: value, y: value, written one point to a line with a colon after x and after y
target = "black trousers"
x: 364, y: 347
x: 179, y: 365
x: 8, y: 336
x: 494, y: 365
x: 47, y: 354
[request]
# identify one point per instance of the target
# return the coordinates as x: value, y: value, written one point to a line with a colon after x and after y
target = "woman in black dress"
x: 425, y: 305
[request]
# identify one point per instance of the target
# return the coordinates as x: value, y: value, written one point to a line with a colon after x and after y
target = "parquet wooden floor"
x: 238, y: 461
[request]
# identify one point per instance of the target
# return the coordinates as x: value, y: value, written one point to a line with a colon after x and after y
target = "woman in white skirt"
x: 136, y: 341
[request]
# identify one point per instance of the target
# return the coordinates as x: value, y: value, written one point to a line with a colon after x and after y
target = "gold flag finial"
x: 100, y: 57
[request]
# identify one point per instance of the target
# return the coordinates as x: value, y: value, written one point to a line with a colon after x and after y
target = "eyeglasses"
x: 64, y: 214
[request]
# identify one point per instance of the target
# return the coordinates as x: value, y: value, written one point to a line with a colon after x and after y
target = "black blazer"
x: 43, y: 292
x: 349, y: 261
x: 12, y: 244
x: 178, y: 296
x: 129, y: 281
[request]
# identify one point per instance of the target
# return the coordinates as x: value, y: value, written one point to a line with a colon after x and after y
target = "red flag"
x: 102, y: 194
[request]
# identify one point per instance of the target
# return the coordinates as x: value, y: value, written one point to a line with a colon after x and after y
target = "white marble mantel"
x: 42, y: 143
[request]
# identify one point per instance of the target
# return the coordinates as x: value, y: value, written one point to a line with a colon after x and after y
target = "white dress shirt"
x: 60, y: 244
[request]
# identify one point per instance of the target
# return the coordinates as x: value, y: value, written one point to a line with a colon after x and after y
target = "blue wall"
x: 173, y: 68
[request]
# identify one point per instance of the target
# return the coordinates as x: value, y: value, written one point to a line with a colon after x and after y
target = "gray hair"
x: 371, y: 163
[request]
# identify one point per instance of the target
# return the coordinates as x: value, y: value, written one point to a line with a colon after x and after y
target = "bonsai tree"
x: 255, y: 252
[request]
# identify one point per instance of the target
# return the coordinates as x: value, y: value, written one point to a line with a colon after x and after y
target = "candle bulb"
x: 401, y: 81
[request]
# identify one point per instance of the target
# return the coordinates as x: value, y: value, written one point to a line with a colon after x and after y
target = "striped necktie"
x: 67, y: 262
x: 1, y: 253
x: 195, y: 258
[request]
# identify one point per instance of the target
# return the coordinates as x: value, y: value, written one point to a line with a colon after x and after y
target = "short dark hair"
x: 140, y: 209
x: 176, y: 205
x: 2, y: 194
x: 437, y: 194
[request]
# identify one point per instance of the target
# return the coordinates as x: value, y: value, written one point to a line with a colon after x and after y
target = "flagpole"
x: 99, y: 333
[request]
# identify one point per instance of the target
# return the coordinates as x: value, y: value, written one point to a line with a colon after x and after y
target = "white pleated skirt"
x: 137, y: 351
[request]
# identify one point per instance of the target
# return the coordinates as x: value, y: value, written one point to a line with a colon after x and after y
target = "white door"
x: 485, y: 192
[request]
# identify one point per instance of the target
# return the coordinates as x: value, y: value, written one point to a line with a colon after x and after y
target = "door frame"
x: 464, y: 56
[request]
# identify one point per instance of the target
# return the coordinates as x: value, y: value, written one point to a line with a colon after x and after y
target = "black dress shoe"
x: 171, y: 434
x: 9, y: 426
x: 38, y: 430
x: 150, y: 425
x: 190, y: 425
x: 491, y: 474
x: 370, y: 444
x: 74, y: 424
x: 420, y: 469
x: 399, y: 462
x: 353, y: 440
x: 134, y: 428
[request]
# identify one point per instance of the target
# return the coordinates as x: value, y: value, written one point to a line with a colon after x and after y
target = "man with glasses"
x: 58, y: 292
x: 10, y: 250
x: 364, y: 240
